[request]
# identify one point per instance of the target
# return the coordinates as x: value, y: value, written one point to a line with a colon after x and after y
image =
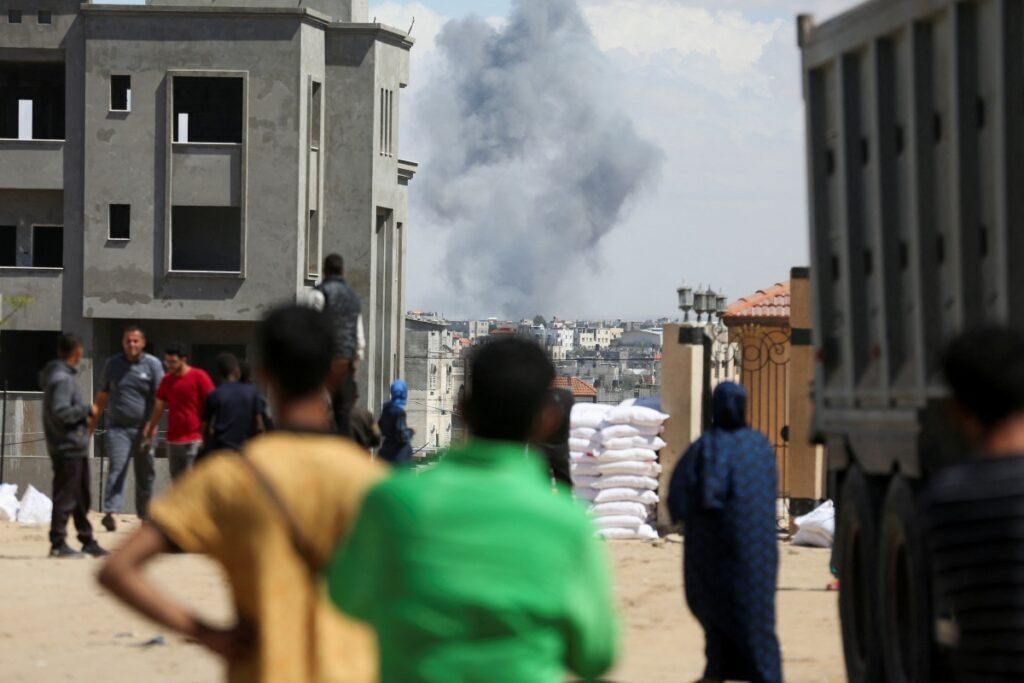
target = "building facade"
x: 435, y: 378
x: 185, y: 165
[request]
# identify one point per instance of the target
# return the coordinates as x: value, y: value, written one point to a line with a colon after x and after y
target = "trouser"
x: 344, y: 393
x: 123, y: 444
x: 70, y: 498
x: 182, y: 456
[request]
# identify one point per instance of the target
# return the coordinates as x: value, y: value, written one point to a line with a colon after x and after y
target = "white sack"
x: 582, y: 445
x: 586, y: 421
x: 618, y: 508
x: 644, y: 468
x: 652, y: 443
x: 34, y: 508
x: 627, y: 454
x: 627, y: 403
x: 588, y: 494
x: 817, y: 528
x: 585, y: 469
x: 626, y: 481
x: 629, y: 495
x: 584, y: 481
x: 619, y: 521
x: 8, y: 502
x: 618, y: 432
x: 583, y: 433
x: 642, y: 533
x: 635, y: 415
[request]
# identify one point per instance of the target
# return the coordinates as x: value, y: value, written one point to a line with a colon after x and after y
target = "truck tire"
x: 857, y: 553
x: 904, y: 603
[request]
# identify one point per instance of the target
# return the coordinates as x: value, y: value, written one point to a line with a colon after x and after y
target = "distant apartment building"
x: 644, y: 338
x: 435, y: 375
x: 185, y: 165
x: 478, y: 329
x: 585, y: 338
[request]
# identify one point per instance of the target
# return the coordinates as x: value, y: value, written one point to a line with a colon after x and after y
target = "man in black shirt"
x: 974, y: 510
x: 232, y: 412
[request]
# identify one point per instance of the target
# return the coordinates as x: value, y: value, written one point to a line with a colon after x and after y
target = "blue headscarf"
x: 701, y: 479
x: 399, y: 393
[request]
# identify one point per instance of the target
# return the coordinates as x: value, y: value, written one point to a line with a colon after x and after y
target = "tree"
x: 539, y: 320
x: 14, y: 304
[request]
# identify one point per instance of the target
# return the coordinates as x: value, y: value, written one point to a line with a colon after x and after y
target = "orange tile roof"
x: 767, y: 306
x: 578, y: 387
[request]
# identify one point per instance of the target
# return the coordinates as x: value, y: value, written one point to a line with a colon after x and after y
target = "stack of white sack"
x: 628, y: 469
x: 585, y: 423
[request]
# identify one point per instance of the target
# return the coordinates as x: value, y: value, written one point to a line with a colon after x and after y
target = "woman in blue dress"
x: 724, y: 490
x: 397, y: 446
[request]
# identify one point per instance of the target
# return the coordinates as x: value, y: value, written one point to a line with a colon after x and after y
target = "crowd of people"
x: 481, y: 568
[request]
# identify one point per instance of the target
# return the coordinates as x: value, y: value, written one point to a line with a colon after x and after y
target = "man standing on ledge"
x: 474, y: 570
x: 337, y: 300
x: 183, y: 392
x: 127, y: 391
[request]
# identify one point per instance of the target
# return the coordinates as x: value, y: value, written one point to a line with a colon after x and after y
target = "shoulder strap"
x: 302, y: 548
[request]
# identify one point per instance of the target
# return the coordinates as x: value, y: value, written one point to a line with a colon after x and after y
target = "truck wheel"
x: 857, y: 552
x: 903, y: 604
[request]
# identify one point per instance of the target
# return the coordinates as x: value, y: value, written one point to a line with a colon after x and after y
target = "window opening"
x: 47, y: 246
x: 8, y: 245
x: 207, y: 109
x: 120, y: 222
x: 45, y: 16
x: 120, y: 93
x: 206, y: 238
x: 14, y: 16
x: 31, y: 101
x: 23, y: 355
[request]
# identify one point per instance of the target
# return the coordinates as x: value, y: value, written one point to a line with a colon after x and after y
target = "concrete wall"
x: 682, y: 397
x: 127, y: 161
x: 32, y: 164
x: 30, y: 33
x: 38, y: 472
x: 807, y: 470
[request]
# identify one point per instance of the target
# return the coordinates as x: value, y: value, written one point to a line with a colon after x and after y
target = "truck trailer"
x: 915, y: 157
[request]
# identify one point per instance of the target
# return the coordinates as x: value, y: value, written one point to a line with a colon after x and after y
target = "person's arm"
x: 70, y: 414
x: 101, y: 405
x: 154, y: 419
x: 402, y: 429
x: 591, y: 625
x: 123, y: 576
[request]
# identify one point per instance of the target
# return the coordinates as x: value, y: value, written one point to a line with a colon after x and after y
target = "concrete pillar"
x: 806, y: 472
x: 682, y: 397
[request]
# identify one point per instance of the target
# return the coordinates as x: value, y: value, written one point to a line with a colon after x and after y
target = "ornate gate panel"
x: 764, y: 373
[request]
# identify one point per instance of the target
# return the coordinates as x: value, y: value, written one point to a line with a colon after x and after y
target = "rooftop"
x: 578, y: 387
x: 765, y: 307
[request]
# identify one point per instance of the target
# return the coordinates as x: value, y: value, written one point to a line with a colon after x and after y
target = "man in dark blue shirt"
x: 232, y: 412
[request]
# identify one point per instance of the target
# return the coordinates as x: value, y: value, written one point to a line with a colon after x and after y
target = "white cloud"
x: 651, y: 28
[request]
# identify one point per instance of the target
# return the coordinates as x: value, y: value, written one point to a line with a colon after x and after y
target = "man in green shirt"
x: 476, y: 571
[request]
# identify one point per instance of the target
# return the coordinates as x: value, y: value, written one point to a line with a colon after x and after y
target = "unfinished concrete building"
x: 185, y: 165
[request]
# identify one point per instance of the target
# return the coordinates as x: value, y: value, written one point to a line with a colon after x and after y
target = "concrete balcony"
x: 31, y: 297
x: 206, y: 174
x: 31, y: 164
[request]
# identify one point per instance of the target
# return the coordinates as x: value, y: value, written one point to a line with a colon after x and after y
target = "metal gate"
x: 764, y: 373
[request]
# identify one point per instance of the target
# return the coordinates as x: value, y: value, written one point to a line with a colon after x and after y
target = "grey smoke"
x: 531, y: 160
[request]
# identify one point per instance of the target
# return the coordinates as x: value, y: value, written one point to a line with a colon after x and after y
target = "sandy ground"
x: 56, y: 624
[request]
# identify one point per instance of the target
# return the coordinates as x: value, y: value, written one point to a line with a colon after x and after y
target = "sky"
x: 713, y: 86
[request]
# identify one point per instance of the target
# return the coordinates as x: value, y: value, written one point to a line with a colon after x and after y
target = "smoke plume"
x: 530, y: 158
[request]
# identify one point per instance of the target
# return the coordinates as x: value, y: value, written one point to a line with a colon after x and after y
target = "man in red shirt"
x: 183, y: 392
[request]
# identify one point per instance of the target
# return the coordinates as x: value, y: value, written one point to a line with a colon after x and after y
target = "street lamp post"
x: 685, y: 294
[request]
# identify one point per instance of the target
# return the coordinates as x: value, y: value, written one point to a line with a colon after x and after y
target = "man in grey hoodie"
x: 66, y: 424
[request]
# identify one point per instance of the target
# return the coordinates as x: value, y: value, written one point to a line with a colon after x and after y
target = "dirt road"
x: 57, y: 625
